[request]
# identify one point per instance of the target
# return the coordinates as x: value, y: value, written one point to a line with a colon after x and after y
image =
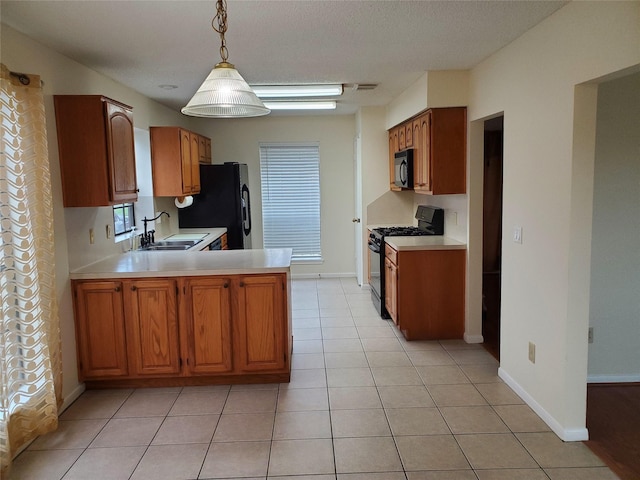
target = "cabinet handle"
x: 134, y: 288
x: 226, y: 285
x: 242, y: 284
x: 117, y: 289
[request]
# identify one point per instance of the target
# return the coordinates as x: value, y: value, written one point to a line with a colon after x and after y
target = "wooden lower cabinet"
x: 425, y: 294
x: 152, y: 327
x: 183, y: 330
x: 206, y: 335
x: 391, y: 289
x: 100, y: 329
x: 260, y: 332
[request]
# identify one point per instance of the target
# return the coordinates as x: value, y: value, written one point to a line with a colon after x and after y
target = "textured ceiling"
x: 144, y: 44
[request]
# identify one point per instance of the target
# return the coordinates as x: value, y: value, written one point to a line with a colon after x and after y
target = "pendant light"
x: 224, y: 93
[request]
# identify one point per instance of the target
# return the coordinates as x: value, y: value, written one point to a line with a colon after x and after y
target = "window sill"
x: 307, y: 261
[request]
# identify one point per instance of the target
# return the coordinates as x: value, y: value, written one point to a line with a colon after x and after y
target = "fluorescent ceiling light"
x: 324, y: 105
x: 294, y: 91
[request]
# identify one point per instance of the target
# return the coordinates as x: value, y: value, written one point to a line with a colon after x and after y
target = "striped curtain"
x: 30, y: 362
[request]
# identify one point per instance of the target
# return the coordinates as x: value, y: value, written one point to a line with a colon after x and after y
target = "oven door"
x: 375, y: 264
x: 376, y: 282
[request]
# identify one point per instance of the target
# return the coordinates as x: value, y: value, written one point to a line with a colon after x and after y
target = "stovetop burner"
x: 402, y: 231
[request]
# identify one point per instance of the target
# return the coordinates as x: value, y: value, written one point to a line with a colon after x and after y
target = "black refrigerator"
x: 224, y: 201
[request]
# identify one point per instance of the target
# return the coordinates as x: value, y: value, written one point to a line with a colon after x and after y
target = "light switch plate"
x: 517, y: 234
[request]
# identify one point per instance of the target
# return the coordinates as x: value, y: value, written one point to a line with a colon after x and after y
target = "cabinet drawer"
x: 391, y: 254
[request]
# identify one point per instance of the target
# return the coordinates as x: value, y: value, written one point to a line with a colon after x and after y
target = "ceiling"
x: 147, y: 43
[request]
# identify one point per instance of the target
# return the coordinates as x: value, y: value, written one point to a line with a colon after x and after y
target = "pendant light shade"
x: 224, y: 93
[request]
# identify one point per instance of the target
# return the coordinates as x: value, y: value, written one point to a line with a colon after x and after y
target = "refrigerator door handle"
x: 246, y: 210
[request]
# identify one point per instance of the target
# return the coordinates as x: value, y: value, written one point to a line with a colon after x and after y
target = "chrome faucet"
x: 147, y: 238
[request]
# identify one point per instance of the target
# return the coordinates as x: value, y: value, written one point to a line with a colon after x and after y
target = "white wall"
x: 548, y: 160
x: 64, y: 76
x: 238, y: 141
x: 615, y: 249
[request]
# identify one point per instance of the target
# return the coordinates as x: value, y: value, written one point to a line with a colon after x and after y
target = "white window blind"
x: 290, y: 177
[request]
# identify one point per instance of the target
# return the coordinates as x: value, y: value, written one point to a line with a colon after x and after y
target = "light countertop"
x: 140, y: 264
x: 429, y: 242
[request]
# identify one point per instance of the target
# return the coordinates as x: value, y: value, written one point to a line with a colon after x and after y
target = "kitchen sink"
x: 166, y: 247
x: 171, y: 245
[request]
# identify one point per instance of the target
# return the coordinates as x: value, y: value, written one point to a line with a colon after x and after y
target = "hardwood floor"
x: 613, y: 420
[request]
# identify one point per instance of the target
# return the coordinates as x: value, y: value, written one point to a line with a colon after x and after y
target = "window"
x: 290, y: 176
x: 123, y: 218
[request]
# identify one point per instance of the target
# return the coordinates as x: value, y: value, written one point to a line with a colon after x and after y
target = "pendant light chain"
x: 221, y: 20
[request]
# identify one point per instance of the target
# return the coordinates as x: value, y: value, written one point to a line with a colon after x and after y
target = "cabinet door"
x: 185, y: 161
x: 261, y: 323
x: 207, y: 316
x: 194, y: 163
x: 448, y: 150
x: 401, y: 138
x: 121, y: 153
x: 394, y: 147
x: 100, y: 329
x: 417, y: 154
x: 425, y: 152
x: 207, y: 155
x: 391, y: 289
x: 202, y: 149
x: 152, y: 326
x: 408, y: 135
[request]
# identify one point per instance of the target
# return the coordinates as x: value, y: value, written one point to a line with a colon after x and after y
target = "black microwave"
x: 403, y: 168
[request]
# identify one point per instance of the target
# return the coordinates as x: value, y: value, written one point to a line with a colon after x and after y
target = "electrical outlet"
x: 532, y: 352
x: 92, y: 238
x: 517, y: 234
x: 590, y: 334
x: 454, y: 217
x: 108, y: 230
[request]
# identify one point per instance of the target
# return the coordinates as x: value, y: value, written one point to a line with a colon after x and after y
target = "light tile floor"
x: 362, y: 404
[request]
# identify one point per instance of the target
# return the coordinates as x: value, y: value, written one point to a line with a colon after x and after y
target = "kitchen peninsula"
x: 167, y: 318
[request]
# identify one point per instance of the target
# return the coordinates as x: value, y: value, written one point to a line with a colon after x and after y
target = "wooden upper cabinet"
x: 204, y: 149
x: 96, y: 150
x: 418, y: 170
x: 175, y: 158
x: 447, y: 151
x: 422, y: 158
x: 207, y: 324
x: 260, y: 331
x: 439, y: 139
x: 152, y: 315
x: 195, y: 163
x: 394, y: 147
x: 207, y: 151
x: 408, y: 135
x: 100, y: 329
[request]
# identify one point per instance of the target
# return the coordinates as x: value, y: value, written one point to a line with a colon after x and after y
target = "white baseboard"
x: 565, y: 434
x: 603, y: 378
x: 473, y: 338
x: 72, y: 397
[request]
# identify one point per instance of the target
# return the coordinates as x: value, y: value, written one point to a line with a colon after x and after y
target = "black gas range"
x: 430, y: 222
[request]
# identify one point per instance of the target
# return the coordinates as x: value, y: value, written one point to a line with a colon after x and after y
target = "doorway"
x: 492, y: 234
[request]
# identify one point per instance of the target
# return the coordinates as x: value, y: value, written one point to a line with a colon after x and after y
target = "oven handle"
x: 373, y: 247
